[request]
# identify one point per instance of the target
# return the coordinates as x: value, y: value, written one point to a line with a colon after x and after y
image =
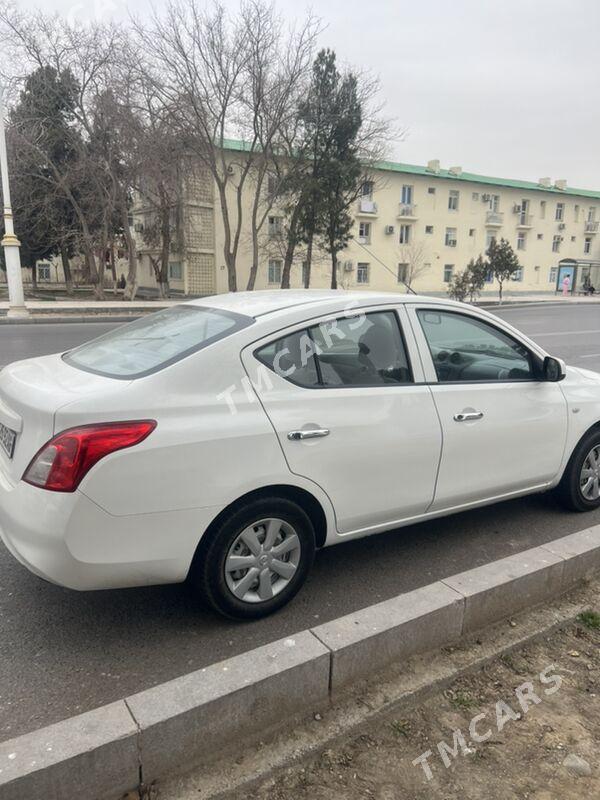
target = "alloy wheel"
x: 262, y: 560
x: 589, y: 479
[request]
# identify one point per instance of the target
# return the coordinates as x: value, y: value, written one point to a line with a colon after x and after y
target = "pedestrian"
x: 566, y: 285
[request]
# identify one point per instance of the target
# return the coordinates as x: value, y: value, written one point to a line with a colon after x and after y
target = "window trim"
x: 535, y: 359
x: 306, y: 327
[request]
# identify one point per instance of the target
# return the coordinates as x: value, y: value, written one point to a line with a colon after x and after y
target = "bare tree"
x: 414, y: 255
x: 222, y: 77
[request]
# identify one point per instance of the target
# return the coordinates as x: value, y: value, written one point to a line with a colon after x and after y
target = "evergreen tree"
x: 503, y: 263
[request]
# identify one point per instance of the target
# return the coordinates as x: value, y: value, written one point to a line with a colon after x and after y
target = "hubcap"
x: 262, y: 560
x: 589, y: 481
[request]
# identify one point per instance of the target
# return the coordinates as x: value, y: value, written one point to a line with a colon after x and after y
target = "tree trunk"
x: 309, y: 252
x: 334, y: 282
x: 499, y: 293
x: 34, y: 276
x: 66, y: 265
x: 254, y: 267
x: 291, y: 247
x: 131, y: 283
x: 228, y: 255
x: 163, y: 277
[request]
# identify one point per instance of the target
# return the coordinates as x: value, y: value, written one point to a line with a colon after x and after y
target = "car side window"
x: 362, y: 350
x: 365, y: 350
x: 467, y: 349
x: 292, y: 357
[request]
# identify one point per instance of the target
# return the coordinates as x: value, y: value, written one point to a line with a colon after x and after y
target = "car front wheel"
x: 579, y: 488
x: 256, y: 560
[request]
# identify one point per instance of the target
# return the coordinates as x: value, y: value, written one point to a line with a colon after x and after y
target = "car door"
x: 504, y: 429
x: 346, y: 398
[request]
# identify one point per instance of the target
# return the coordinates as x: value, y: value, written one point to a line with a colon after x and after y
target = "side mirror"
x: 554, y: 369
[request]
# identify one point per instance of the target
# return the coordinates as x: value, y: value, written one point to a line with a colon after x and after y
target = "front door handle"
x: 313, y: 433
x: 464, y: 416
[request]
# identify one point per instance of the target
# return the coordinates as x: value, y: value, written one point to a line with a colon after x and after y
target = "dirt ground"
x: 558, y: 719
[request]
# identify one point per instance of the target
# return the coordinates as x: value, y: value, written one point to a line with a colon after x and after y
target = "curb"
x: 201, y: 715
x: 49, y: 318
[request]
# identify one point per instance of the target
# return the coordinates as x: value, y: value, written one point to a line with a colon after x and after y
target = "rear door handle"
x: 314, y: 433
x: 464, y: 416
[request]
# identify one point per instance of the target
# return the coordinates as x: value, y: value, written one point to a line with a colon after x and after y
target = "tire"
x: 573, y: 491
x: 252, y: 537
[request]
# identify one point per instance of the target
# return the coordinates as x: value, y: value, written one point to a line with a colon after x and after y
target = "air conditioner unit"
x: 517, y: 208
x: 451, y: 242
x: 348, y: 266
x: 562, y: 238
x: 363, y: 240
x: 561, y: 226
x: 485, y: 198
x: 389, y: 229
x: 138, y: 227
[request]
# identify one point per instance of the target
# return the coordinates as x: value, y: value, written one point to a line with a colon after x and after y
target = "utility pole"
x: 10, y: 242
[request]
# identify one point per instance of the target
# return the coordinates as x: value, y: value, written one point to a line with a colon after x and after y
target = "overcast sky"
x: 506, y: 88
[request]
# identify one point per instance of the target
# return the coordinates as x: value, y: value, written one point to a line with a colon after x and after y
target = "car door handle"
x: 313, y: 433
x: 464, y: 416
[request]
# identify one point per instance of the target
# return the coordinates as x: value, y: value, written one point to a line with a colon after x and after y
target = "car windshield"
x: 155, y: 341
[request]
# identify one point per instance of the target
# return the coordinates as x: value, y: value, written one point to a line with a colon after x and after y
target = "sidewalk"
x: 83, y: 310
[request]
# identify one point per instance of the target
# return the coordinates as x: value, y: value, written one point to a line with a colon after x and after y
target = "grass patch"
x: 400, y: 727
x: 460, y: 699
x: 591, y: 619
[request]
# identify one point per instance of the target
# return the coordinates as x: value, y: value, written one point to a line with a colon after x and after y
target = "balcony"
x: 525, y: 221
x: 407, y: 211
x: 494, y: 219
x: 367, y: 206
x: 591, y: 226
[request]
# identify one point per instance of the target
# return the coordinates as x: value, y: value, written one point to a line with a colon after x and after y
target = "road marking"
x: 590, y: 355
x: 562, y: 333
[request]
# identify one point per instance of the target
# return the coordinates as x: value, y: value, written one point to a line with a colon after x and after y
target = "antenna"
x: 409, y: 289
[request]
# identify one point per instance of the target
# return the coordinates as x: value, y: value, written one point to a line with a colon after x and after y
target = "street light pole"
x: 16, y: 300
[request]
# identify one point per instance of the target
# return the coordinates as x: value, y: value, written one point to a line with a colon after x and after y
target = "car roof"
x: 261, y: 302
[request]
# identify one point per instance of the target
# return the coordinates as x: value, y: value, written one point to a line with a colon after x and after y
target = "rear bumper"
x: 69, y: 540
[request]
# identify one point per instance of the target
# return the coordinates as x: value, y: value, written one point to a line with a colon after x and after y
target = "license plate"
x: 7, y: 440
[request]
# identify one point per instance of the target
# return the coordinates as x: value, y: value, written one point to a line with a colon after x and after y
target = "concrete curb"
x: 61, y: 319
x: 201, y: 715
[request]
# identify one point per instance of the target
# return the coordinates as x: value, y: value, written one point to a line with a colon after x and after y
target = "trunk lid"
x: 31, y: 392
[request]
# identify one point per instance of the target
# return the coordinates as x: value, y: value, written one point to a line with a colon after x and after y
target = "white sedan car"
x: 225, y: 439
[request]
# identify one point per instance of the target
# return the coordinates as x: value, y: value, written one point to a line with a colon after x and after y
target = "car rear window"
x: 152, y: 343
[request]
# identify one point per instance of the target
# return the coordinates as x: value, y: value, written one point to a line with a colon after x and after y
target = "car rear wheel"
x: 256, y: 560
x: 579, y: 489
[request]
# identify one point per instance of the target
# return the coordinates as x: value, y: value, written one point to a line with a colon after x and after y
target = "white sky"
x: 506, y: 88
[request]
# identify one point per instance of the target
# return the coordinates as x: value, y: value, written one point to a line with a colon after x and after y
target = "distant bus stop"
x: 578, y: 271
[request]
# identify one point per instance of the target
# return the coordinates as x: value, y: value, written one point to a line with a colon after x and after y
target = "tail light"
x: 62, y: 463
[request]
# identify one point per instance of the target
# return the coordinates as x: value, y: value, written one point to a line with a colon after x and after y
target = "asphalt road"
x: 62, y: 652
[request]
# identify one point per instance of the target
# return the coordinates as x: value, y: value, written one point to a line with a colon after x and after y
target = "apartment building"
x: 416, y: 224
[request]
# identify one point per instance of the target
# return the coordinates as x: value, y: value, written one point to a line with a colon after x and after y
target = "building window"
x: 494, y: 202
x: 274, y: 270
x: 362, y: 273
x: 175, y: 271
x: 453, y: 200
x: 404, y: 234
x: 275, y: 226
x: 402, y: 273
x: 560, y: 212
x: 431, y: 190
x: 521, y: 241
x: 304, y: 272
x: 592, y: 214
x: 542, y: 209
x: 540, y: 236
x: 576, y: 213
x: 43, y: 272
x: 428, y: 228
x: 475, y: 196
x: 587, y: 245
x: 490, y: 237
x: 448, y: 272
x: 552, y: 274
x: 450, y: 239
x: 471, y: 231
x: 556, y: 243
x: 518, y: 274
x: 272, y: 185
x: 489, y: 276
x: 366, y: 190
x: 407, y: 195
x: 364, y: 232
